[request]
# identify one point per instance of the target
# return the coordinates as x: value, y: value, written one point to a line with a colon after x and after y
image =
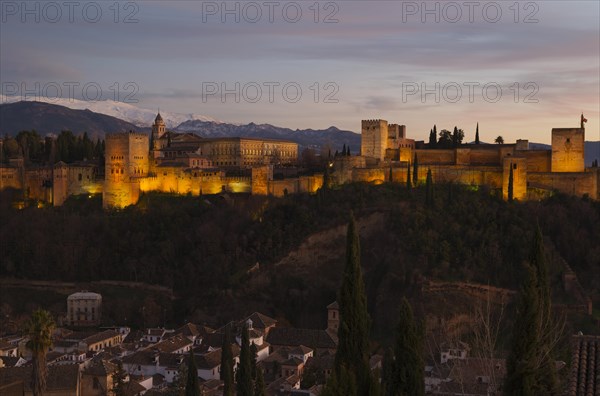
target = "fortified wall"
x: 386, y: 154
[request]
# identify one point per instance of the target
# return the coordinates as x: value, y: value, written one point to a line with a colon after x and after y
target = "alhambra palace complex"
x: 185, y: 163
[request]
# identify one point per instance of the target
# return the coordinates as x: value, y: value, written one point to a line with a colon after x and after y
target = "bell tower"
x: 158, y: 130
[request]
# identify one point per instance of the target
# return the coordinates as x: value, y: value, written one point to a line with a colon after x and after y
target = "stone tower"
x: 158, y: 130
x: 374, y: 138
x: 126, y: 162
x: 568, y: 149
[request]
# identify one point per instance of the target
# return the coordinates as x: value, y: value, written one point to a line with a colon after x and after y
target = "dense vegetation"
x: 204, y: 247
x: 65, y: 147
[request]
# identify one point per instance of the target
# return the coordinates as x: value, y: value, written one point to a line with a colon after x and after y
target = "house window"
x: 96, y: 383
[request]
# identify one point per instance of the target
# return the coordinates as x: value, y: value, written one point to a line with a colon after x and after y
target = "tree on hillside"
x: 244, y: 372
x: 351, y: 371
x: 259, y: 384
x: 432, y: 139
x: 192, y: 388
x: 521, y: 362
x: 510, y: 184
x: 429, y: 189
x: 408, y: 178
x: 445, y: 139
x: 550, y: 330
x: 408, y: 367
x: 227, y: 364
x: 499, y: 140
x: 477, y: 134
x: 119, y: 380
x: 39, y: 330
x: 416, y: 171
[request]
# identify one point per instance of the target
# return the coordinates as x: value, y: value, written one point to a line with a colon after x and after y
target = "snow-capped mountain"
x: 124, y: 111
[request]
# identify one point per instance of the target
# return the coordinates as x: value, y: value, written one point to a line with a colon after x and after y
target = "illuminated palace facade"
x: 184, y: 163
x: 536, y: 173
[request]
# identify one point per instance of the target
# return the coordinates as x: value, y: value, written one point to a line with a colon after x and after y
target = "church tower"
x: 158, y: 130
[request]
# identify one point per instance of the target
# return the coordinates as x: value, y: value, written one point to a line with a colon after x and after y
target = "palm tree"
x: 499, y: 140
x: 39, y: 329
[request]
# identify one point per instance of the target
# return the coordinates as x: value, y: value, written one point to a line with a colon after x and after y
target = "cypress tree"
x: 244, y: 371
x: 391, y: 178
x: 435, y: 132
x: 191, y: 386
x: 259, y: 385
x: 510, y: 184
x: 455, y: 137
x: 547, y: 381
x: 387, y: 374
x: 351, y: 358
x: 432, y: 138
x: 408, y: 178
x: 344, y: 150
x: 348, y: 151
x: 227, y: 364
x: 521, y: 363
x: 416, y: 171
x: 429, y: 189
x: 477, y: 134
x: 409, y: 366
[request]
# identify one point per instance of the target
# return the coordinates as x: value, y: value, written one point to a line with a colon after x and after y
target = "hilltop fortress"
x: 387, y: 153
x: 184, y: 163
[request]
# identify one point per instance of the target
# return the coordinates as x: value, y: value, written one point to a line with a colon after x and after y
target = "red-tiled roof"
x: 585, y: 369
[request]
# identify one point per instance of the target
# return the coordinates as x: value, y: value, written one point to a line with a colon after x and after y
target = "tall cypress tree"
x: 408, y: 178
x: 477, y: 134
x: 387, y: 373
x: 259, y: 384
x: 351, y: 373
x: 510, y: 184
x: 429, y: 189
x: 408, y: 378
x: 244, y: 372
x: 432, y: 138
x: 547, y: 381
x: 191, y: 386
x: 455, y: 137
x: 227, y: 364
x: 522, y: 360
x: 416, y: 171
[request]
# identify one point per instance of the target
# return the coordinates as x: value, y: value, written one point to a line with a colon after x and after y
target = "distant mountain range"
x: 47, y: 118
x: 331, y: 136
x: 124, y: 111
x: 52, y: 119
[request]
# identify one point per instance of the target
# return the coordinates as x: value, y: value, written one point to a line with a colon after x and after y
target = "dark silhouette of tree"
x: 192, y: 388
x: 244, y: 372
x: 510, y: 183
x: 408, y: 366
x: 521, y: 362
x: 499, y: 140
x: 432, y: 139
x: 416, y: 171
x: 227, y: 364
x: 39, y: 330
x: 546, y: 379
x: 477, y: 134
x: 408, y: 178
x: 351, y: 372
x: 259, y: 384
x: 118, y: 379
x: 429, y: 189
x: 445, y: 139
